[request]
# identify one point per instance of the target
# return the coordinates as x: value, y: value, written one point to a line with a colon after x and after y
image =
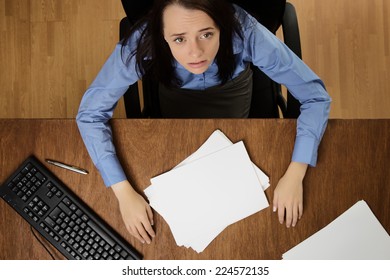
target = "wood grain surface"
x: 353, y: 164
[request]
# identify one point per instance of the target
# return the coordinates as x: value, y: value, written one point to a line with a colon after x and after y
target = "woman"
x: 196, y: 48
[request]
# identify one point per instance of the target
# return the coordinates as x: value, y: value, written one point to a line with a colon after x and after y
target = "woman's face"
x: 192, y: 37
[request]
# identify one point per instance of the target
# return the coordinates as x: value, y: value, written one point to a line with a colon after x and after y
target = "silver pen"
x: 66, y: 166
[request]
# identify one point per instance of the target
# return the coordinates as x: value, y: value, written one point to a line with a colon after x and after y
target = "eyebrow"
x: 201, y: 30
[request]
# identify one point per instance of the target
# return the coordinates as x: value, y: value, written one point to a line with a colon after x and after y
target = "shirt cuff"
x: 111, y: 170
x: 305, y: 150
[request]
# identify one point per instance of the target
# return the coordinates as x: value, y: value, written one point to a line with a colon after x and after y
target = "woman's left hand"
x: 288, y: 194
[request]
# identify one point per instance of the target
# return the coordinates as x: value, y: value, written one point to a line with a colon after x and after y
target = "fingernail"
x: 274, y: 209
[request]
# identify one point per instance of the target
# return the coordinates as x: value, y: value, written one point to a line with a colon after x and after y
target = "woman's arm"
x: 96, y: 109
x: 276, y: 60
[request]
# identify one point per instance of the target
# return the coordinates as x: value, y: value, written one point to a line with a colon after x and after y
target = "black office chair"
x: 267, y: 98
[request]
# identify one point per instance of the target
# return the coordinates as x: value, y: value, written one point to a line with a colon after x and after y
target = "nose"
x: 195, y: 49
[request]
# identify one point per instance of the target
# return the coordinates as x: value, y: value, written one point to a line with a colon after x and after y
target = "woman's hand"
x: 136, y: 212
x: 288, y: 194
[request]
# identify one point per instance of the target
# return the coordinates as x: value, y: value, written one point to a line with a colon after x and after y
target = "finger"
x: 295, y: 211
x: 134, y: 233
x: 281, y: 214
x: 148, y: 228
x: 149, y: 225
x: 275, y: 202
x: 300, y: 210
x: 142, y: 232
x: 150, y: 214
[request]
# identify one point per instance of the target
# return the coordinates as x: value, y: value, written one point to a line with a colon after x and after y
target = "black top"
x: 231, y: 100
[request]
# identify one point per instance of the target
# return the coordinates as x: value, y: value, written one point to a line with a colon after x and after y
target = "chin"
x: 197, y: 71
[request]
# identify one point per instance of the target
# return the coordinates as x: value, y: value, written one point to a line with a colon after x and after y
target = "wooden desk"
x: 354, y: 164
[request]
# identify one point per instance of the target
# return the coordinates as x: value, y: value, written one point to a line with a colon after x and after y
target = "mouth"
x: 198, y: 64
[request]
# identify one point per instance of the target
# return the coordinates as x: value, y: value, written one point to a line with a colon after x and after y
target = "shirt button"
x: 201, y: 79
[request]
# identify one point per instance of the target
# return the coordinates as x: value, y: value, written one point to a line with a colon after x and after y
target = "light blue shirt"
x: 259, y: 46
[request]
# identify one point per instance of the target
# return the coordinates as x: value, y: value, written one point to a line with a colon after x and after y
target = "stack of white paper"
x: 355, y: 235
x: 213, y: 188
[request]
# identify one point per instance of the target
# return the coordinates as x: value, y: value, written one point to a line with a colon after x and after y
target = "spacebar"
x: 101, y: 232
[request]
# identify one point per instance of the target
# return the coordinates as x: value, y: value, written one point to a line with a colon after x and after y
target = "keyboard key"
x: 65, y: 209
x: 123, y: 254
x: 55, y: 213
x: 67, y: 201
x: 50, y: 222
x: 118, y: 248
x: 17, y: 179
x: 40, y: 177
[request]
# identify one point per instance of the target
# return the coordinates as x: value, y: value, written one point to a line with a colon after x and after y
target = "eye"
x: 207, y: 35
x: 179, y: 40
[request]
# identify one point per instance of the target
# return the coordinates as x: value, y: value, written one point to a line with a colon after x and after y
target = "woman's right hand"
x: 136, y: 212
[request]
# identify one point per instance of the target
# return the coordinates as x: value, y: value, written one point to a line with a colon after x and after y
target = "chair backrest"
x: 268, y: 13
x: 267, y: 98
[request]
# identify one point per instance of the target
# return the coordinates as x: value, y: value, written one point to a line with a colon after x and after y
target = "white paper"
x: 216, y: 142
x: 202, y: 197
x: 354, y: 235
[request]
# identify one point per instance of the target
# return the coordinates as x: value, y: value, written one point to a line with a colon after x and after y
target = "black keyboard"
x: 61, y: 217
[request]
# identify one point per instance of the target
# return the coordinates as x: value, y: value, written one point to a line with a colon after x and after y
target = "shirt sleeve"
x: 281, y: 64
x: 97, y: 107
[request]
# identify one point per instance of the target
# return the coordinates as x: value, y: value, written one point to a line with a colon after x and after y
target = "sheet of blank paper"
x: 354, y: 235
x: 213, y: 188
